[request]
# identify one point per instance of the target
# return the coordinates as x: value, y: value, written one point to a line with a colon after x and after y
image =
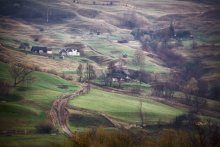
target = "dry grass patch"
x: 44, y: 63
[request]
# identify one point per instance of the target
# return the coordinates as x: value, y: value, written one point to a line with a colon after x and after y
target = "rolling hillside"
x: 176, y: 85
x: 24, y: 108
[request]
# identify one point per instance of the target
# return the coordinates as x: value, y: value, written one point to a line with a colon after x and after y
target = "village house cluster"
x: 49, y: 51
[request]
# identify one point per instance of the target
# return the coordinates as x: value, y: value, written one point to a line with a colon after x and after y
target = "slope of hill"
x: 25, y: 108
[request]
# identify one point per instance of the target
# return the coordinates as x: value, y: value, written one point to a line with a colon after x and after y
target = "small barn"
x: 39, y: 50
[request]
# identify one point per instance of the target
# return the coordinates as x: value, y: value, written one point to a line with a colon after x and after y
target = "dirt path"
x: 59, y: 113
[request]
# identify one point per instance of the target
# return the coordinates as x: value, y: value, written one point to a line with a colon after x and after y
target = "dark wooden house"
x: 120, y: 74
x: 39, y: 50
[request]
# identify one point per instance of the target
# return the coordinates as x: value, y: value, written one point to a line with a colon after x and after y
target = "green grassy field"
x: 110, y: 49
x: 24, y: 108
x: 126, y: 108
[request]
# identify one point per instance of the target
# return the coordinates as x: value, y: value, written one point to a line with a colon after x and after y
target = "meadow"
x: 126, y: 108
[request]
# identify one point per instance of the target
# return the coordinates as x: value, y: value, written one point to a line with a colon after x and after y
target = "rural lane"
x: 59, y: 113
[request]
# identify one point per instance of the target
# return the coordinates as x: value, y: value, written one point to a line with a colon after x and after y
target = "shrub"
x: 102, y: 137
x: 36, y: 68
x: 44, y: 128
x: 136, y: 90
x: 62, y: 86
x: 5, y: 88
x: 24, y: 45
x: 69, y: 78
x: 52, y: 71
x: 199, y: 136
x: 215, y: 91
x: 41, y: 29
x: 123, y: 41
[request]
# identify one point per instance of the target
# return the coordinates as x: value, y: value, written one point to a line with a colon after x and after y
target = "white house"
x: 72, y: 52
x: 49, y: 51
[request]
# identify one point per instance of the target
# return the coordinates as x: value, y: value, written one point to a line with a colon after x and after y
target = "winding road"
x: 59, y: 113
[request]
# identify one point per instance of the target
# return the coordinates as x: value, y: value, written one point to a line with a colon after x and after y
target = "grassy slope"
x: 33, y: 103
x: 126, y: 108
x: 81, y: 121
x: 116, y: 50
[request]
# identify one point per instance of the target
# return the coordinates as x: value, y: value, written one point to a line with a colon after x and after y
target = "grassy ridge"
x: 126, y: 108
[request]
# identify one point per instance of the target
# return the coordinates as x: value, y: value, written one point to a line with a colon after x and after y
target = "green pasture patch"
x: 109, y: 48
x: 126, y: 108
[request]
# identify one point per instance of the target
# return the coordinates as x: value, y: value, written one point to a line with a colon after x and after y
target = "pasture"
x: 126, y: 108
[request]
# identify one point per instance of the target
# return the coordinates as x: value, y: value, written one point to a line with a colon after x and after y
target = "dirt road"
x: 59, y: 113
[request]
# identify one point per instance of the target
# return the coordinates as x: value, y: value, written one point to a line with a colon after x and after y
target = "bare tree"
x: 5, y: 88
x: 111, y: 66
x: 190, y: 91
x: 198, y: 103
x: 21, y: 74
x: 90, y: 72
x: 80, y: 72
x: 139, y: 58
x: 139, y: 61
x: 171, y: 30
x: 141, y: 112
x: 194, y: 43
x: 191, y: 88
